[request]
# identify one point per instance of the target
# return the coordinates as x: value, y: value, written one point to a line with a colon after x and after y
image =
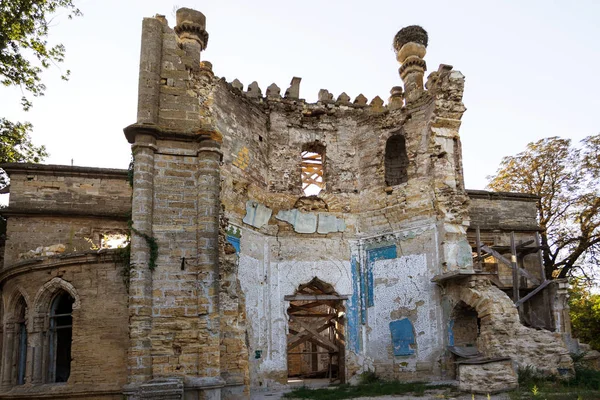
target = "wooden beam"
x: 315, y: 335
x: 328, y: 303
x: 515, y: 267
x: 314, y: 297
x: 506, y: 262
x: 532, y: 293
x: 538, y: 243
x: 305, y: 336
x: 478, y: 239
x: 319, y: 315
x: 298, y: 334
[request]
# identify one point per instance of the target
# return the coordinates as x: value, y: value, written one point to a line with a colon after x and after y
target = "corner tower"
x: 175, y: 331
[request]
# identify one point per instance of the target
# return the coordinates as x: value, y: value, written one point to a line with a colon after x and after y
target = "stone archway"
x: 501, y: 333
x: 316, y: 333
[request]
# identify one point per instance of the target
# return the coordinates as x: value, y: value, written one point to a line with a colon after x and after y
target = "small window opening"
x: 396, y: 161
x: 312, y: 171
x: 21, y: 361
x: 60, y: 337
x: 114, y: 241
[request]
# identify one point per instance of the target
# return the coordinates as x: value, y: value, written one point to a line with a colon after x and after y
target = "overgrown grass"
x: 585, y: 385
x: 371, y: 389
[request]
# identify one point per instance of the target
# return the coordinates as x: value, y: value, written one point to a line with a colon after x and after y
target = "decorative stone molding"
x: 410, y: 44
x: 191, y: 25
x: 49, y: 289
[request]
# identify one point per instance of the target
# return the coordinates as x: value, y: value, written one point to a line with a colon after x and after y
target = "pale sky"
x: 531, y: 67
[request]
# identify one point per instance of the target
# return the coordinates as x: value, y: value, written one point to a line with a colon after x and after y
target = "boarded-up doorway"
x: 316, y: 341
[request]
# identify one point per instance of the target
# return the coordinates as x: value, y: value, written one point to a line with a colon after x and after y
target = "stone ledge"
x: 458, y: 274
x: 49, y: 262
x: 64, y: 170
x: 25, y: 211
x: 490, y: 195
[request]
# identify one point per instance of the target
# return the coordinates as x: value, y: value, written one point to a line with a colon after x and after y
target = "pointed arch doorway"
x: 316, y: 334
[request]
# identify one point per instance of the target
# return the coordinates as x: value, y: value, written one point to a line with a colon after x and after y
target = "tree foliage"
x: 585, y: 313
x: 24, y: 48
x: 567, y: 180
x: 24, y: 54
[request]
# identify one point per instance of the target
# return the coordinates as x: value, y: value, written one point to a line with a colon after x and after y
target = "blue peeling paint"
x: 363, y: 296
x: 402, y: 337
x: 235, y: 242
x: 352, y: 311
x: 382, y: 253
x: 451, y: 333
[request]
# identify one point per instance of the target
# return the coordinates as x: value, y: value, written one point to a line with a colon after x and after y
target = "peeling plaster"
x: 257, y: 215
x: 413, y: 292
x: 307, y: 222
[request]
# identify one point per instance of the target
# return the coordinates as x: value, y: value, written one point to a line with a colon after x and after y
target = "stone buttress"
x: 175, y: 332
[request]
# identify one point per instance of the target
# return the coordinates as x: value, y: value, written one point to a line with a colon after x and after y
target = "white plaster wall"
x: 265, y: 282
x: 404, y: 282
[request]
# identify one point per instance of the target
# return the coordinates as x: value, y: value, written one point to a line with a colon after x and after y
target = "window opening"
x: 312, y: 173
x: 396, y: 161
x: 61, y: 334
x: 21, y: 341
x: 114, y: 241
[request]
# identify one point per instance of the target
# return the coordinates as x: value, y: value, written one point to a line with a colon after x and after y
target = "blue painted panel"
x: 382, y: 253
x: 363, y: 296
x: 451, y: 333
x: 235, y: 242
x: 402, y: 337
x: 353, y: 307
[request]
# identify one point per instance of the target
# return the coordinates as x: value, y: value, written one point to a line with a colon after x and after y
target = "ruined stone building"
x: 272, y: 238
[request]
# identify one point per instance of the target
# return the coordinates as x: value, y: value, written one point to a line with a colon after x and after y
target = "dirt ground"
x: 429, y: 395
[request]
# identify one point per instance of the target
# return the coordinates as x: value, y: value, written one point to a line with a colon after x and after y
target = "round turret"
x: 191, y: 25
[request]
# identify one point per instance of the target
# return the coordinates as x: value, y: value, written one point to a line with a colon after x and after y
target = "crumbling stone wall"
x: 503, y: 335
x: 222, y: 232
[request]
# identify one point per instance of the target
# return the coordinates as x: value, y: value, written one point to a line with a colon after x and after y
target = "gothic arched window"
x: 21, y: 341
x: 59, y: 337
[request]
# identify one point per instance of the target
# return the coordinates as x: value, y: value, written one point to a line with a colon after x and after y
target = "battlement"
x: 176, y: 87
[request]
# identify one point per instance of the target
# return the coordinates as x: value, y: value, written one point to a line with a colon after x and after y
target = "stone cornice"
x: 87, y: 213
x: 43, y: 263
x: 63, y: 170
x: 159, y: 132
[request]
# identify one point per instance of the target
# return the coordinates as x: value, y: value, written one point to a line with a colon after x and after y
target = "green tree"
x: 585, y: 313
x: 24, y: 54
x: 567, y: 179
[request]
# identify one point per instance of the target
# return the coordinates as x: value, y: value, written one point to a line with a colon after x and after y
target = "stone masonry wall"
x: 61, y: 189
x: 26, y: 233
x: 503, y: 211
x: 100, y: 321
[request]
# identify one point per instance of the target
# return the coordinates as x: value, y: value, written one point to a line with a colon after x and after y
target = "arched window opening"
x: 396, y: 161
x: 313, y: 159
x: 21, y: 340
x: 60, y: 336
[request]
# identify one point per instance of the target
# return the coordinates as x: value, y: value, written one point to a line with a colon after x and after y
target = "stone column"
x: 7, y: 356
x: 150, y: 65
x: 140, y: 283
x: 37, y: 348
x: 410, y: 44
x: 559, y: 290
x: 191, y: 30
x: 209, y: 207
